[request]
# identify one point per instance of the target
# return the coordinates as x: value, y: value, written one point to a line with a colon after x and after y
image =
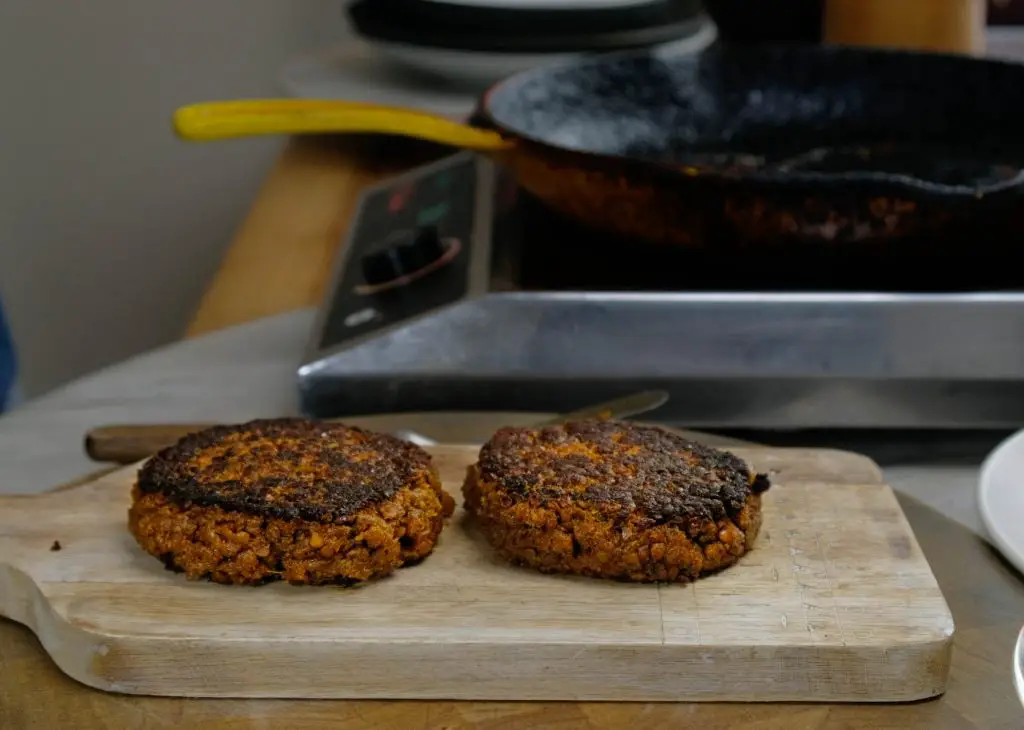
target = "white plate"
x: 443, y: 81
x: 472, y: 69
x: 478, y: 69
x: 1018, y: 666
x: 352, y: 71
x: 1001, y: 498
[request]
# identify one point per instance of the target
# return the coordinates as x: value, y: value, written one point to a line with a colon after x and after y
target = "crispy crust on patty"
x: 288, y: 499
x: 614, y: 500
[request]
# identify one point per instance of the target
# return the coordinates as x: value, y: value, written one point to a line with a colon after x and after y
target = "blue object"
x: 8, y: 365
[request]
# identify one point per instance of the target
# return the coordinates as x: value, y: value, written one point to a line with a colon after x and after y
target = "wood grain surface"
x: 835, y: 603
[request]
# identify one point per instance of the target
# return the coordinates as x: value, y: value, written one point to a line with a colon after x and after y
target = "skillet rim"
x: 874, y: 182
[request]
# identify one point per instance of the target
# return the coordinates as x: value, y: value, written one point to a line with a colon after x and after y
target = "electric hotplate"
x: 458, y: 291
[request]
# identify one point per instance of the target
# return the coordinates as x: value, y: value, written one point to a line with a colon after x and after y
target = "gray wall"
x: 110, y: 228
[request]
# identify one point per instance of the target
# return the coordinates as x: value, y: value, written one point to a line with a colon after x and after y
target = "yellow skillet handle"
x: 226, y: 119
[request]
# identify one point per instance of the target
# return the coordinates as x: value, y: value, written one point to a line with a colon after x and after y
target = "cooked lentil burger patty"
x: 613, y: 499
x: 288, y: 499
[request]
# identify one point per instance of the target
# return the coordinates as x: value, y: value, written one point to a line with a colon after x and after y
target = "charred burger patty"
x: 288, y: 499
x: 614, y: 500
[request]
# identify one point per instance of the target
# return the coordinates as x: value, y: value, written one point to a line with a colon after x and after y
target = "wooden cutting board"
x: 835, y: 603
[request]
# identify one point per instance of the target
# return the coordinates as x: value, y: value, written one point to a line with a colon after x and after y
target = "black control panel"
x: 408, y: 253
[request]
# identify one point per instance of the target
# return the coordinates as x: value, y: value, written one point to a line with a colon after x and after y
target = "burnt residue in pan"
x: 888, y: 161
x: 904, y: 160
x: 823, y: 144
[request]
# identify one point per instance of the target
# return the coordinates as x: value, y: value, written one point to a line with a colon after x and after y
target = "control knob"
x: 401, y: 254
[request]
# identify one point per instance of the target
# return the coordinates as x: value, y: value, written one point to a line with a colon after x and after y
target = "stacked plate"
x: 477, y: 42
x: 1001, y: 503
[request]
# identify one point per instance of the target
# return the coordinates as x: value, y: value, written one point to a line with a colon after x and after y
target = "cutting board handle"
x: 27, y: 544
x: 15, y: 586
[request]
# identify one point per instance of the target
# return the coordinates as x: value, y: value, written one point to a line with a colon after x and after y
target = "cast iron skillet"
x: 752, y: 145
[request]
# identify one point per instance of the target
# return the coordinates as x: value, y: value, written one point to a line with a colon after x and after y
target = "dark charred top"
x: 620, y: 466
x: 287, y: 468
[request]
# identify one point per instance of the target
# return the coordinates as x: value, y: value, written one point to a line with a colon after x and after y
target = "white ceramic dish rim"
x: 1018, y: 666
x: 1007, y: 540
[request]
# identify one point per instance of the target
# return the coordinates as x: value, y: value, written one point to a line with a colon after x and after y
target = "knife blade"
x: 618, y: 408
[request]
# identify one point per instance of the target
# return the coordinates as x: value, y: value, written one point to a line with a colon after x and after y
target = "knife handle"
x: 129, y: 444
